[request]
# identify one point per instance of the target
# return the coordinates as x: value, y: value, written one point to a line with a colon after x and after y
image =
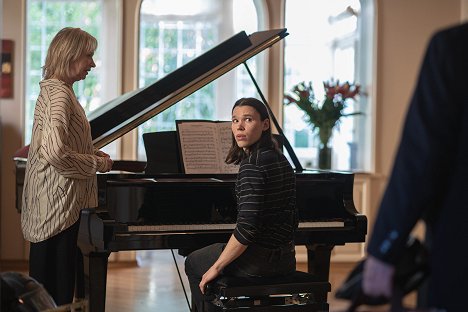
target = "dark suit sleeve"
x: 428, y: 146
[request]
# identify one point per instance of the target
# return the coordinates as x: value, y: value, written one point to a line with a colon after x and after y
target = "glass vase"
x: 324, y: 156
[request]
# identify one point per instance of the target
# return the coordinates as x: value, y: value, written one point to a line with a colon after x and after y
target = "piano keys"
x: 305, y: 225
x: 152, y: 203
x: 142, y: 204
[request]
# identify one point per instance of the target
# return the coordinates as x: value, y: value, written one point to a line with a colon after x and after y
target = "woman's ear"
x: 266, y: 124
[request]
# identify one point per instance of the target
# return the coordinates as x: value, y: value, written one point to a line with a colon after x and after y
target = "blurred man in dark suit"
x: 430, y: 178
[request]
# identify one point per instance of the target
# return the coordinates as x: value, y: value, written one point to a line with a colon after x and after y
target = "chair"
x: 299, y: 291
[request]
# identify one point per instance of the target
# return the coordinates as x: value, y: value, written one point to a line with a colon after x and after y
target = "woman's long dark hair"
x: 236, y: 154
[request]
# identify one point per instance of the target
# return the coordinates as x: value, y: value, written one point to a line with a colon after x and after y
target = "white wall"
x: 11, y: 112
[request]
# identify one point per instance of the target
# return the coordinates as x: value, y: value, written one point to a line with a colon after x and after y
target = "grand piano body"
x: 163, y: 208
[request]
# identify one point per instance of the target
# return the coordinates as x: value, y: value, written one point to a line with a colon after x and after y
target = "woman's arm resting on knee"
x: 231, y: 252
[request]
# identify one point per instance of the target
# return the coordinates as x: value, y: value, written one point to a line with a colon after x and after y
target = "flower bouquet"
x: 323, y: 115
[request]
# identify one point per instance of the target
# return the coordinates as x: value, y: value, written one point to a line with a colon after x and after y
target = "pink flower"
x: 324, y: 115
x: 345, y: 90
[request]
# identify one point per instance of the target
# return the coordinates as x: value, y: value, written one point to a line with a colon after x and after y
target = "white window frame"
x: 226, y: 86
x: 363, y: 129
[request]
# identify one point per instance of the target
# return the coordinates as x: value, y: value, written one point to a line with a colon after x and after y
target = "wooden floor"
x: 154, y: 285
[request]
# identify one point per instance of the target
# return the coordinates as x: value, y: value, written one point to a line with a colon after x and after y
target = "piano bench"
x: 299, y: 291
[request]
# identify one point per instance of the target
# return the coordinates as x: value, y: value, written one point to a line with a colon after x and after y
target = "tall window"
x: 173, y: 32
x: 330, y: 39
x: 44, y: 19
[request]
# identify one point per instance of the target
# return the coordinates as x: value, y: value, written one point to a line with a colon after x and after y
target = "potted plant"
x: 324, y: 115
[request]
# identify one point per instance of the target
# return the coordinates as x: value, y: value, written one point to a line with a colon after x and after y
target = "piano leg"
x: 318, y: 263
x: 95, y: 276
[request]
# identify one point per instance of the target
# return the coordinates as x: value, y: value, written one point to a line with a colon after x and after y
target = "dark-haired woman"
x: 262, y: 242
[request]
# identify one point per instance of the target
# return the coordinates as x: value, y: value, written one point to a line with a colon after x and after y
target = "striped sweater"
x: 60, y: 177
x: 266, y: 190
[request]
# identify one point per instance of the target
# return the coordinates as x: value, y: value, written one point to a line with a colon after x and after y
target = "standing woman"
x: 60, y: 177
x: 262, y: 243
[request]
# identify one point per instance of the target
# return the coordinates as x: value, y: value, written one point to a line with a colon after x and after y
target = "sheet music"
x: 204, y: 145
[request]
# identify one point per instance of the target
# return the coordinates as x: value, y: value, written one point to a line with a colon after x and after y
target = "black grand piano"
x: 163, y: 208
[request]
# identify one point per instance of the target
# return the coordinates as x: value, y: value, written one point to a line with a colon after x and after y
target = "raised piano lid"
x: 121, y: 115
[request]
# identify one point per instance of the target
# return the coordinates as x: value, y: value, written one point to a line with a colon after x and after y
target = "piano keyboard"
x: 221, y: 226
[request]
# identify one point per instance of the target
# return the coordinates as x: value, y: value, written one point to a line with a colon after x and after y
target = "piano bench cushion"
x: 296, y: 283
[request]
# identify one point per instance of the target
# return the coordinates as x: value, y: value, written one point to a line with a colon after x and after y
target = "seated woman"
x: 262, y: 243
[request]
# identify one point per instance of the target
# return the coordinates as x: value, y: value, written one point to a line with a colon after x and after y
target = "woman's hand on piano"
x: 101, y: 154
x: 108, y: 161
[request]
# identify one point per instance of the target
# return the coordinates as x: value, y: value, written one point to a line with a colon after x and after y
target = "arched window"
x: 44, y: 19
x: 173, y: 32
x: 330, y: 39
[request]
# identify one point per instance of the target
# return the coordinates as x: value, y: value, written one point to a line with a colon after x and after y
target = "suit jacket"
x: 430, y: 174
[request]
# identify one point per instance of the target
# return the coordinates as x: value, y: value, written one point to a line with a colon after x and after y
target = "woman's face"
x: 247, y: 126
x: 80, y: 68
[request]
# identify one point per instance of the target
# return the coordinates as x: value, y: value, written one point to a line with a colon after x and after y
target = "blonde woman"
x: 62, y: 163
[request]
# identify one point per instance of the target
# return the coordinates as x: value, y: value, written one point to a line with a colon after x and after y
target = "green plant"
x: 323, y: 115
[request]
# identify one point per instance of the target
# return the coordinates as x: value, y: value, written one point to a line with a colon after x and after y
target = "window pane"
x: 36, y: 60
x: 44, y: 19
x: 151, y: 36
x: 172, y: 35
x: 170, y: 61
x: 49, y: 20
x: 188, y: 38
x: 327, y: 50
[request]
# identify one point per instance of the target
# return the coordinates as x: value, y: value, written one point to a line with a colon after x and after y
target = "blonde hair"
x: 68, y: 45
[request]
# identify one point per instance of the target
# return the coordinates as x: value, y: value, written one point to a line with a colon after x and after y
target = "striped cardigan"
x: 266, y: 190
x: 60, y: 177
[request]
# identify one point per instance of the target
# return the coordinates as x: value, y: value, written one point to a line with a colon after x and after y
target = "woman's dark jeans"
x: 256, y: 261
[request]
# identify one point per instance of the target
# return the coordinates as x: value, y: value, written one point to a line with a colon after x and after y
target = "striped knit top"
x: 60, y: 177
x: 266, y: 200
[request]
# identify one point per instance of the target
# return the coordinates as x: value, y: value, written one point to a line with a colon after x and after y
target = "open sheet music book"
x: 204, y: 145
